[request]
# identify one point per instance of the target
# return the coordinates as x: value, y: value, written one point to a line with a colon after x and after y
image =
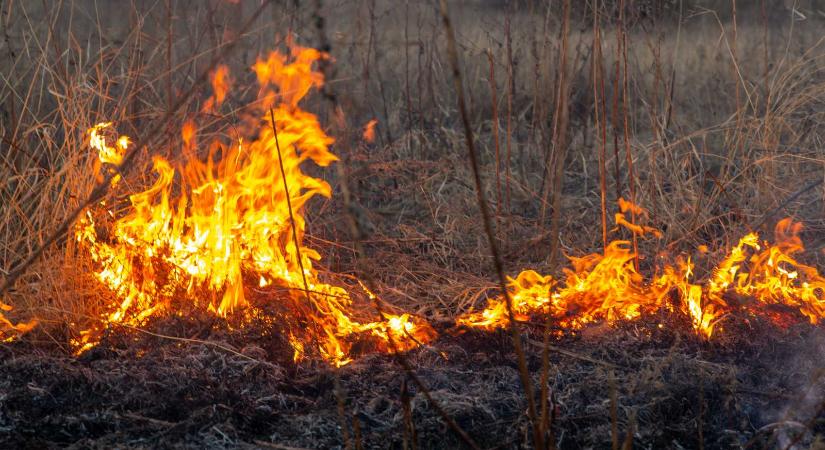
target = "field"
x: 334, y: 260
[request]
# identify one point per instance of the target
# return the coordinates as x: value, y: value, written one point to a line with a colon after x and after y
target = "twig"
x: 157, y: 422
x: 276, y: 446
x: 198, y: 341
x: 289, y: 206
x: 573, y: 354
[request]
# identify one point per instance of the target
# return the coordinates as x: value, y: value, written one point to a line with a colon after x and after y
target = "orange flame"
x: 207, y: 224
x: 10, y: 331
x: 221, y: 83
x: 608, y: 287
x: 106, y: 154
x: 369, y: 131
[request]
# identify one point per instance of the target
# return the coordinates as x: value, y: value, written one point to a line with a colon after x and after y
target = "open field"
x: 708, y: 115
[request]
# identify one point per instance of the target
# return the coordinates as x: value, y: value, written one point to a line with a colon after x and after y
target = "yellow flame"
x: 607, y: 286
x: 10, y: 331
x: 207, y: 222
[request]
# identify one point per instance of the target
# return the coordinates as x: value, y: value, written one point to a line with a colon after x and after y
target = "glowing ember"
x: 607, y: 287
x: 211, y: 227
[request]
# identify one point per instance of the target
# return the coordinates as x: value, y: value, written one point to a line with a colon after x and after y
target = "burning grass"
x: 207, y: 227
x: 608, y: 287
x: 216, y: 296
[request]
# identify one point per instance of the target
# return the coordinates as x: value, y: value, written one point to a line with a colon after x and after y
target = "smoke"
x: 793, y: 429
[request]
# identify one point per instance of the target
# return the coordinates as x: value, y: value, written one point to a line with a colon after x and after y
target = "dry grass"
x: 722, y: 129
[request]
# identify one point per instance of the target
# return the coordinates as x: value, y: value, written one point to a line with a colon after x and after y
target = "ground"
x: 670, y: 390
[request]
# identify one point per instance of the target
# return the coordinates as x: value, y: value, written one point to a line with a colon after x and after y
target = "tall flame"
x: 209, y: 226
x: 228, y: 219
x: 608, y: 287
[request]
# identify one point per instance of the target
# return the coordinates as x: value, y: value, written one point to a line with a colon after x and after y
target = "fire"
x: 9, y: 331
x: 369, y: 131
x: 608, y: 287
x: 107, y: 154
x: 210, y: 228
x: 223, y: 224
x: 221, y: 83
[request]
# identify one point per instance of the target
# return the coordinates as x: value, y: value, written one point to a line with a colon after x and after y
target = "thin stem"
x: 289, y: 206
x: 601, y: 123
x: 488, y: 227
x: 494, y: 105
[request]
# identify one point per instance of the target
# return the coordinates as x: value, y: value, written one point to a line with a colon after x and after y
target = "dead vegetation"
x: 708, y: 115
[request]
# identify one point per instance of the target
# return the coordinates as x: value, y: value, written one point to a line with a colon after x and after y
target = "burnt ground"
x: 761, y: 389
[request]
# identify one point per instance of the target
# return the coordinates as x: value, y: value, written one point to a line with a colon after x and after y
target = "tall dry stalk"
x: 340, y: 402
x: 631, y: 179
x: 735, y: 70
x: 294, y: 227
x: 599, y: 114
x: 614, y: 410
x: 614, y: 116
x: 560, y: 128
x: 169, y: 34
x: 511, y: 87
x: 538, y: 438
x: 495, y: 126
x: 410, y: 435
x: 700, y: 420
x: 407, y: 92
